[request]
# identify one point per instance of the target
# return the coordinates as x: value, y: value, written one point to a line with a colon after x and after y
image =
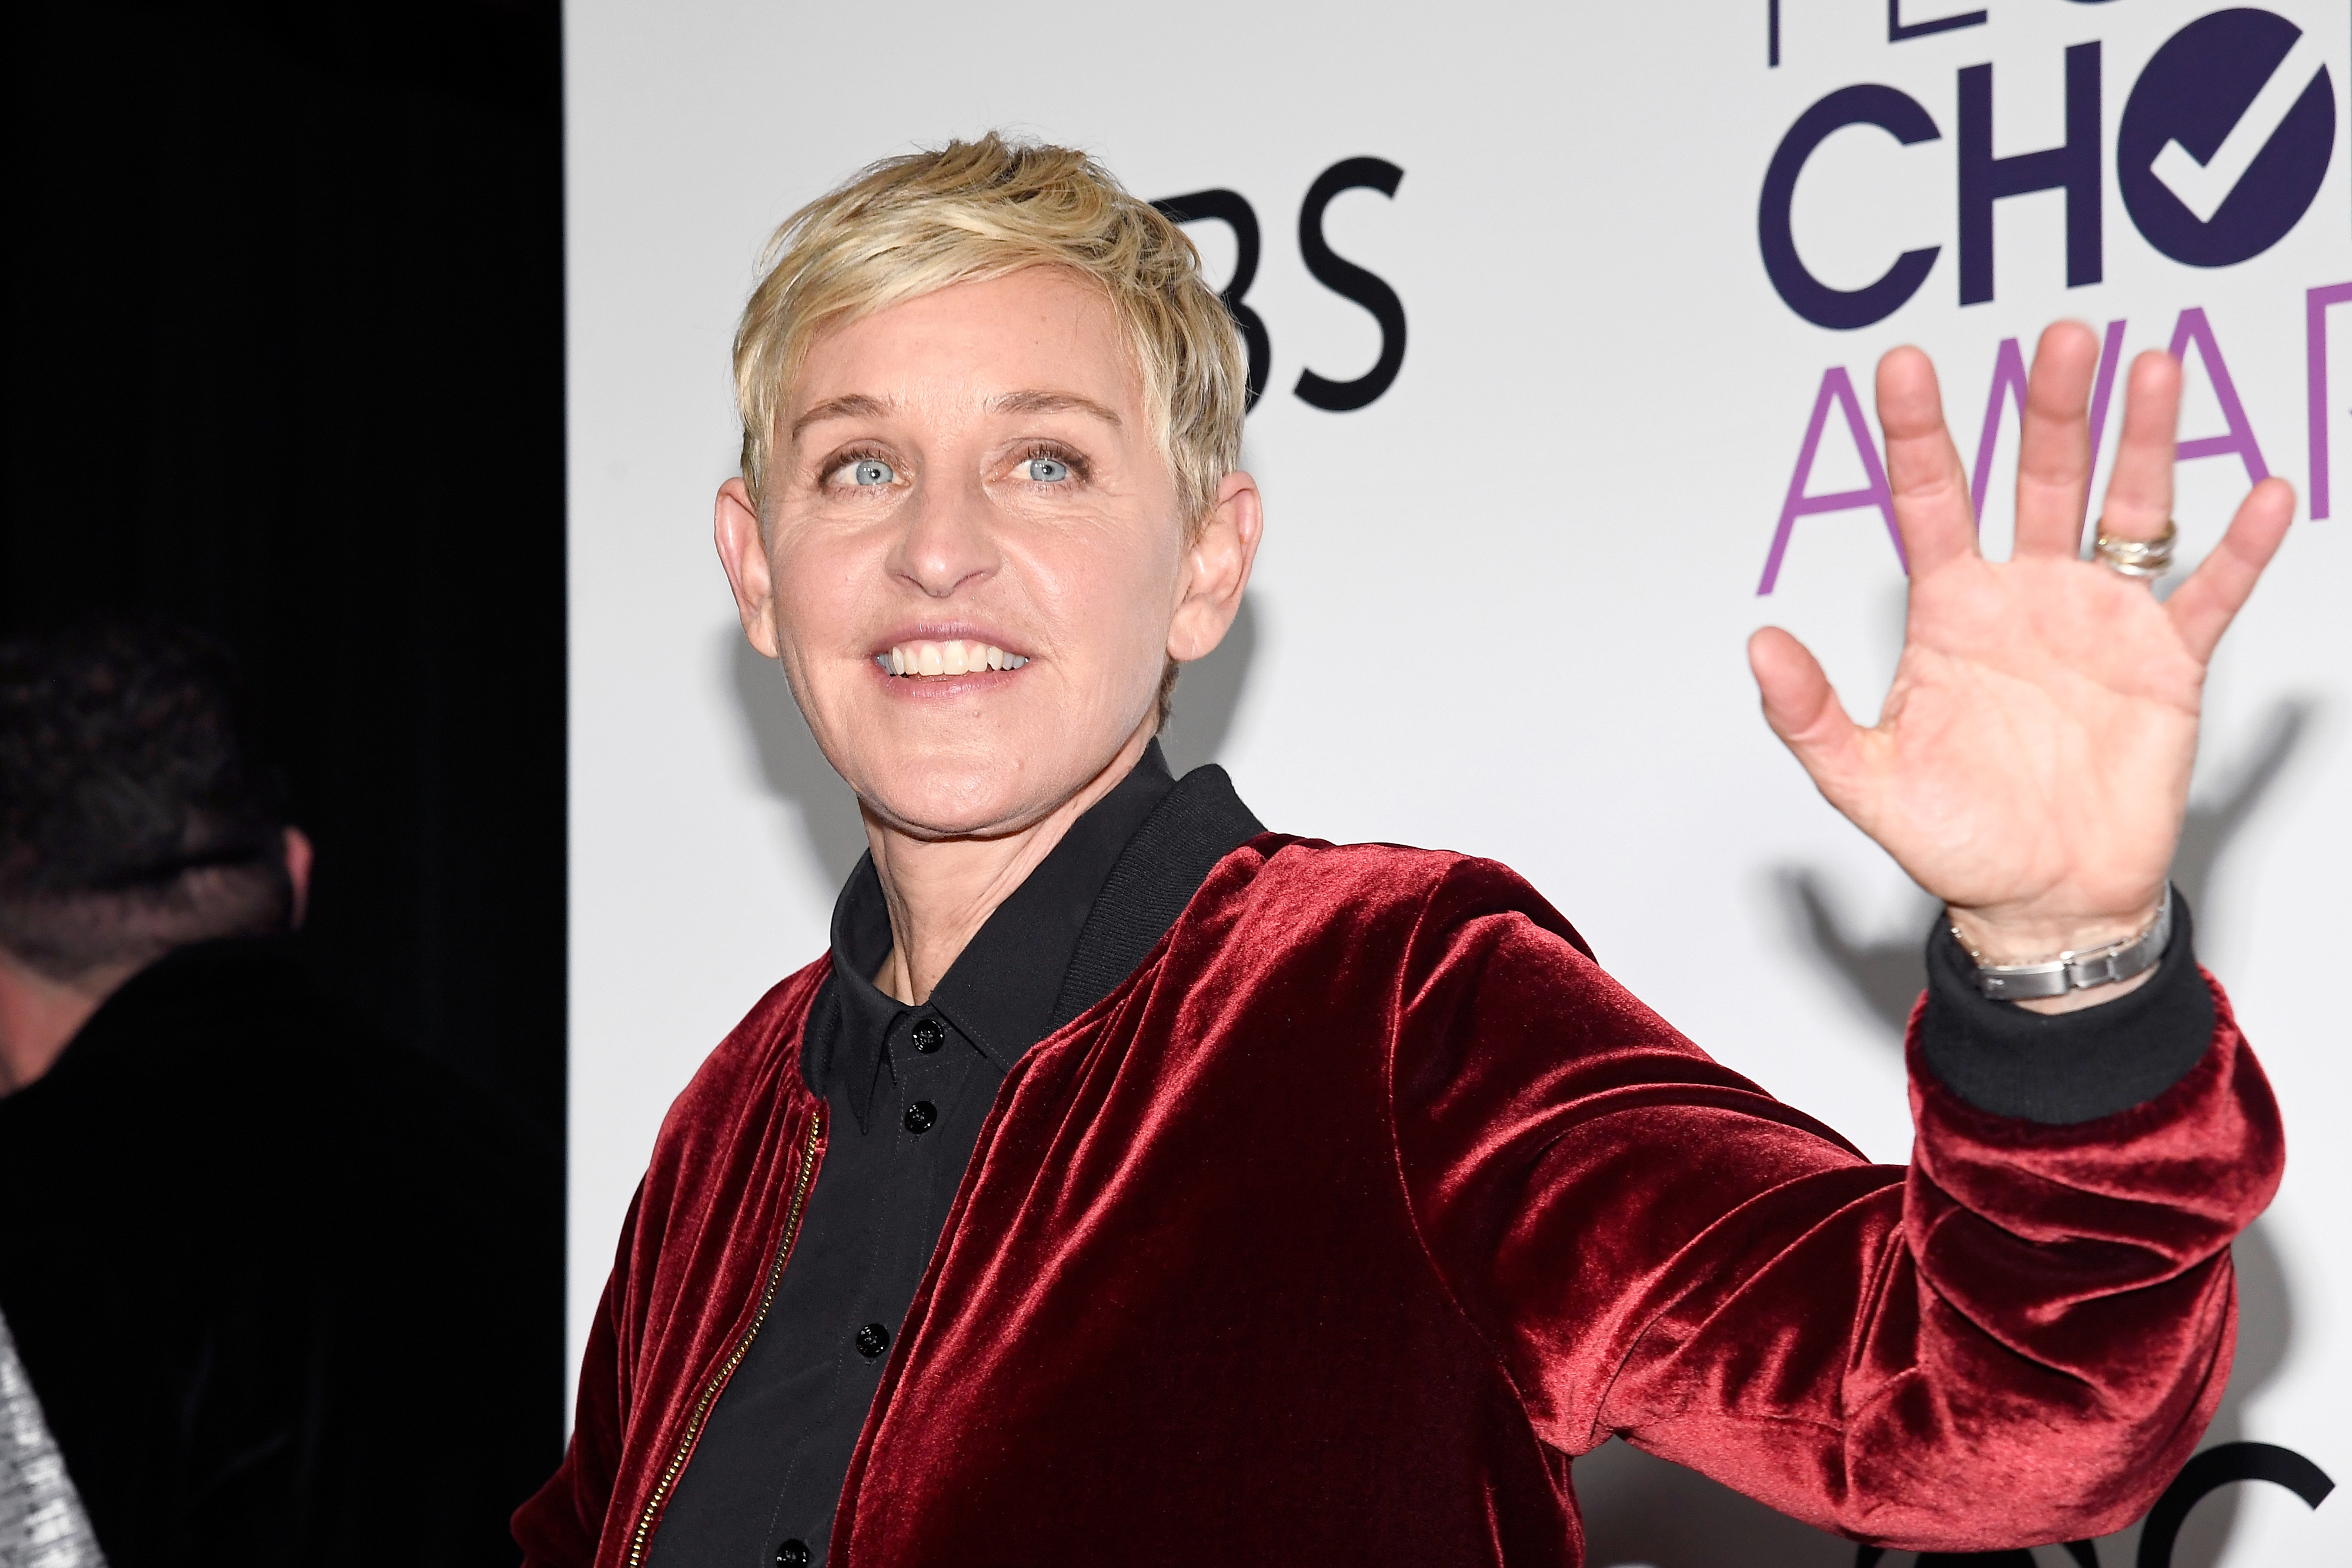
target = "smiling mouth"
x: 953, y: 658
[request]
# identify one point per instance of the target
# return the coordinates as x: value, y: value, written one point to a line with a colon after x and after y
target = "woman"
x: 1128, y: 1183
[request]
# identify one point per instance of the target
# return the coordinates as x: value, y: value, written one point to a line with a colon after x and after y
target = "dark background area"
x: 284, y: 360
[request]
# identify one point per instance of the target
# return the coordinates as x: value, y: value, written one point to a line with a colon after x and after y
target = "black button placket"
x: 922, y: 1071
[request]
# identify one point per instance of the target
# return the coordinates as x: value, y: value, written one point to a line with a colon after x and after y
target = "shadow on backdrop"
x: 1640, y: 1510
x: 795, y: 769
x: 790, y: 761
x: 1208, y: 696
x: 1882, y: 975
x: 1885, y: 973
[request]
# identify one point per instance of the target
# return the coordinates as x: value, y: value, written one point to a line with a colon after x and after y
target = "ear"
x: 1217, y: 569
x: 743, y: 553
x: 298, y: 857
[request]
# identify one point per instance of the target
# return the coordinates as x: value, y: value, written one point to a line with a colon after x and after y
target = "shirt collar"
x: 1000, y: 992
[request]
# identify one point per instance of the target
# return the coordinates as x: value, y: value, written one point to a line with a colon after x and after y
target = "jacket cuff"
x: 2064, y: 1068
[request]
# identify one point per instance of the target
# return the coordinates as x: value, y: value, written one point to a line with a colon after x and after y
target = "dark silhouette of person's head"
x: 139, y: 809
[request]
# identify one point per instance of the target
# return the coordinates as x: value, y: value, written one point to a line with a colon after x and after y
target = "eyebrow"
x: 859, y: 405
x: 1038, y: 402
x: 855, y: 405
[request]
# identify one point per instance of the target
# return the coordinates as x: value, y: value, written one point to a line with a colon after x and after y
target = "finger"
x: 1931, y: 492
x: 2053, y: 448
x: 2139, y: 493
x: 1805, y: 712
x: 2203, y: 608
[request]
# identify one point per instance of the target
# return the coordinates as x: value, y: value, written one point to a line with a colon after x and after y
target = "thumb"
x: 1805, y: 713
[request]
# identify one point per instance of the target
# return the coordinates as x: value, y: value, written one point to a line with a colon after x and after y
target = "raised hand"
x: 2031, y: 764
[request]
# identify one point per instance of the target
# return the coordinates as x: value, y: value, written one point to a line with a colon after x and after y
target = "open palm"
x: 2031, y: 764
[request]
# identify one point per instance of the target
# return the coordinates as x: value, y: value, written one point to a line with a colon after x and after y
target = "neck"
x: 941, y: 892
x: 39, y: 1015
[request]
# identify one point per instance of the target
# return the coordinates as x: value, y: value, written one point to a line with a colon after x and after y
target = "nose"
x: 949, y: 544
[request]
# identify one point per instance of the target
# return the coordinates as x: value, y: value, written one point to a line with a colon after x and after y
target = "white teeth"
x: 954, y: 657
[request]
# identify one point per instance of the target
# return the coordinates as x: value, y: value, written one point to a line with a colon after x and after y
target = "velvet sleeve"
x: 2016, y: 1339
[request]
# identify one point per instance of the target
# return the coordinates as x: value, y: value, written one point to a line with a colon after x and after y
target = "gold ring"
x: 2144, y: 558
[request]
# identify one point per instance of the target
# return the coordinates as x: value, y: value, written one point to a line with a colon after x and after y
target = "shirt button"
x: 929, y: 1035
x: 920, y: 1115
x: 793, y: 1554
x: 872, y: 1340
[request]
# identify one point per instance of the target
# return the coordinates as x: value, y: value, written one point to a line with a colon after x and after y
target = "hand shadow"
x: 790, y: 761
x: 1884, y: 974
x: 2211, y: 826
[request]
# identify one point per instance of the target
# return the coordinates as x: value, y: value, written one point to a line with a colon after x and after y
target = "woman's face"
x: 975, y: 561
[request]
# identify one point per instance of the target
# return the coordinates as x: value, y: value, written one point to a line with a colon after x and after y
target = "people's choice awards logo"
x: 2226, y: 137
x: 2224, y: 142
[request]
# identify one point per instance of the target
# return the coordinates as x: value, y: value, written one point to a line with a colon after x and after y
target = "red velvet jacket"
x: 1369, y: 1200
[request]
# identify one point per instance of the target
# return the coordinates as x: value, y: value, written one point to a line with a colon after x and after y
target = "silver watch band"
x: 2077, y: 971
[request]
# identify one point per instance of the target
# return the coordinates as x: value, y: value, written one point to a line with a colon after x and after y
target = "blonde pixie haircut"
x: 974, y: 210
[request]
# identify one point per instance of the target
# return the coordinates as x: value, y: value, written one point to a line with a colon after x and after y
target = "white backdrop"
x: 1501, y: 609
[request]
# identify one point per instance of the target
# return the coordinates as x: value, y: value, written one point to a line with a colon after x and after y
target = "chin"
x: 981, y: 788
x: 973, y: 788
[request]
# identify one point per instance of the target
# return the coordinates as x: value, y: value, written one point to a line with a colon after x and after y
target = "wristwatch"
x: 2073, y: 971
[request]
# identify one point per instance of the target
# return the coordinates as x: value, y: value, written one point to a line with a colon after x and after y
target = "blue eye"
x: 871, y: 471
x: 1048, y: 470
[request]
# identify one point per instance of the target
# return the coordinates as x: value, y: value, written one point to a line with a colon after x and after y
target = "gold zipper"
x: 743, y: 1347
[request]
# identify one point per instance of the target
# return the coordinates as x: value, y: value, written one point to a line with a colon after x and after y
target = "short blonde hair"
x: 973, y: 210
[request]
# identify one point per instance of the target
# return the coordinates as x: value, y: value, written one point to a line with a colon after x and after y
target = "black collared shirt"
x: 906, y: 1089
